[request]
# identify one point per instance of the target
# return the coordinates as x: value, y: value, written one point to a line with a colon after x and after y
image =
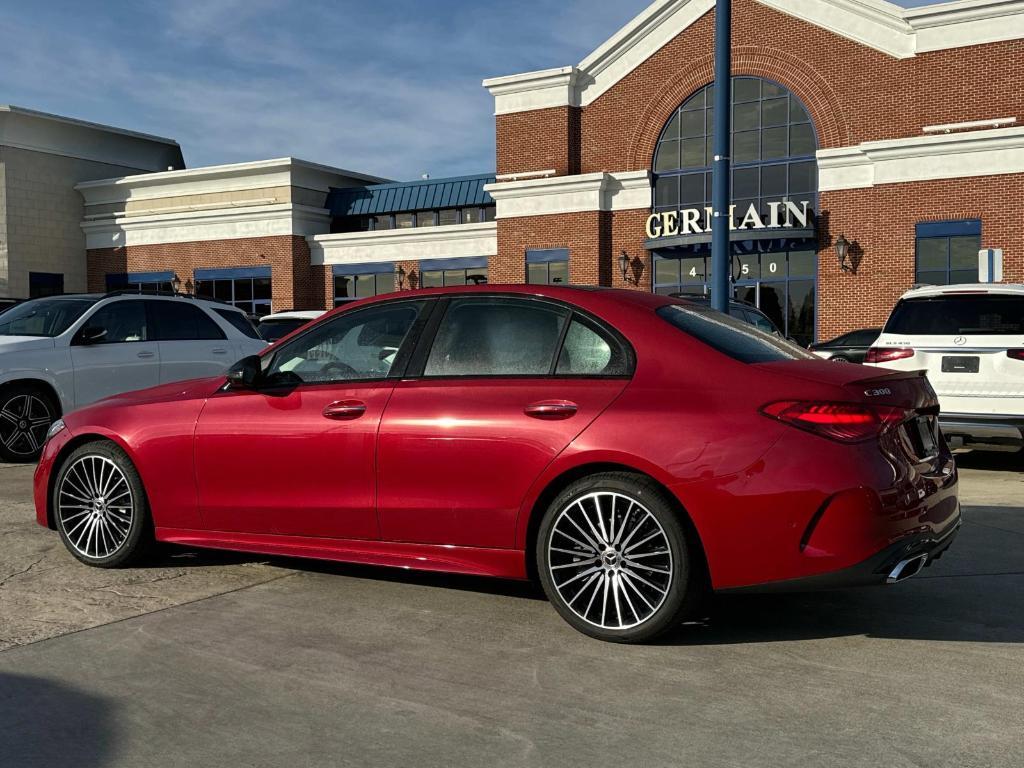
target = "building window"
x: 405, y: 220
x: 45, y: 284
x: 773, y: 150
x: 426, y: 219
x: 448, y: 217
x: 141, y: 282
x: 547, y: 266
x: 435, y: 273
x: 946, y: 252
x: 248, y: 288
x: 359, y: 281
x: 382, y: 222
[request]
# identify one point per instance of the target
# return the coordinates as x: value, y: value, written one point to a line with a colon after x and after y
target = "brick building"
x: 896, y: 129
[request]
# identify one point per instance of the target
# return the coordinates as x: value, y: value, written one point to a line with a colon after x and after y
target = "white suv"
x: 970, y: 340
x: 62, y: 352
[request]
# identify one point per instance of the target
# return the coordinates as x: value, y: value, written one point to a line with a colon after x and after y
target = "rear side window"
x: 239, y: 321
x: 181, y: 321
x: 732, y: 337
x: 959, y: 315
x: 496, y: 337
x: 590, y: 351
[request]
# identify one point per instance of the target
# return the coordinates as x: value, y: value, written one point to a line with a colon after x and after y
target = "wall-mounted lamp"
x: 624, y: 265
x: 176, y: 284
x: 400, y: 273
x: 842, y: 251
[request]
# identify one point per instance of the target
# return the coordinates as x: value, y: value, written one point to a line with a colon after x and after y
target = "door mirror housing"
x: 90, y: 334
x: 246, y: 373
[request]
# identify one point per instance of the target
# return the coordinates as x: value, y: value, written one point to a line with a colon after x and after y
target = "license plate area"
x: 922, y: 437
x: 960, y: 363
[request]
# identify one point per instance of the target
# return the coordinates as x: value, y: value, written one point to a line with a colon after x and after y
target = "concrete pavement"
x: 235, y: 661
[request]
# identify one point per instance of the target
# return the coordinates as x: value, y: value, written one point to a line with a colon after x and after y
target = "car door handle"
x: 146, y: 354
x: 220, y: 351
x: 551, y: 409
x: 343, y: 410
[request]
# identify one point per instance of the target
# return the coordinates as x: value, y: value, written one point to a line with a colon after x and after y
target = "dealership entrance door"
x: 777, y: 276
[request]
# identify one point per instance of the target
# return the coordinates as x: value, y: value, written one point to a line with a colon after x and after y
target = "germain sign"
x: 695, y: 221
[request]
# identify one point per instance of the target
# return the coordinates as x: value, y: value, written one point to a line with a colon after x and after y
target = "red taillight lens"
x: 846, y: 422
x: 886, y: 354
x: 1015, y: 354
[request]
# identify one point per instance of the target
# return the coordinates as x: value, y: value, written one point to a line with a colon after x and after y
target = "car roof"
x: 1013, y: 289
x: 300, y: 314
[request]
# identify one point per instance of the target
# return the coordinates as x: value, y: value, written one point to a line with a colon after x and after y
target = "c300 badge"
x: 877, y: 392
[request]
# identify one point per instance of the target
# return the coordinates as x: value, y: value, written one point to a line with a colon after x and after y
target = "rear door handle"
x: 220, y: 351
x: 551, y: 409
x: 345, y: 410
x: 146, y: 354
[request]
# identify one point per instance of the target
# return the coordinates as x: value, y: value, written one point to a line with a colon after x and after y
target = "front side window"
x: 496, y: 337
x: 43, y: 317
x: 946, y: 252
x: 181, y: 321
x: 361, y: 345
x: 123, y: 321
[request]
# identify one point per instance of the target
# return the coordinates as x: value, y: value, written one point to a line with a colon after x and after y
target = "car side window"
x: 762, y: 323
x: 180, y: 321
x: 123, y: 321
x: 358, y: 345
x: 496, y: 336
x: 589, y: 351
x: 240, y: 322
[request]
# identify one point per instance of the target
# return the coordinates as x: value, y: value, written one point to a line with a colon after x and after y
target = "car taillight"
x: 887, y: 354
x: 1015, y: 354
x: 845, y: 422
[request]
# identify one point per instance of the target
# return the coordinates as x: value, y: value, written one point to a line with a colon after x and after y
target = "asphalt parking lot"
x: 217, y: 659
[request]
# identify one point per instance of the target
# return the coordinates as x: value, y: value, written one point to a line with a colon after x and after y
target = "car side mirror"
x: 246, y: 373
x: 90, y: 334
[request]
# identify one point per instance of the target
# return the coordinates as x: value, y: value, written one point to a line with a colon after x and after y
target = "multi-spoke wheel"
x: 614, y: 558
x: 99, y: 506
x: 26, y: 413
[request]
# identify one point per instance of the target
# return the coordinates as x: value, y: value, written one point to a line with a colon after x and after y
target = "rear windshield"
x: 272, y: 330
x: 240, y: 321
x: 732, y: 337
x: 959, y: 315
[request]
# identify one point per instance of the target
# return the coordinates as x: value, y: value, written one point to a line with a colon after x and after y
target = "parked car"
x: 631, y: 450
x: 6, y: 304
x: 851, y: 347
x: 970, y: 340
x: 280, y: 324
x: 741, y: 310
x: 62, y: 352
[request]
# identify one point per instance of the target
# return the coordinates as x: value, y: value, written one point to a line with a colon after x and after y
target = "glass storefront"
x: 775, y: 276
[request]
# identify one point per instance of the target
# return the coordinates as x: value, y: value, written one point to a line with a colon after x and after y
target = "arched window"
x: 773, y: 146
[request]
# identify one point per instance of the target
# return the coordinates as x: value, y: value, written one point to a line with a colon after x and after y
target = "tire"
x: 839, y: 359
x: 655, y: 592
x: 26, y: 413
x: 99, y: 507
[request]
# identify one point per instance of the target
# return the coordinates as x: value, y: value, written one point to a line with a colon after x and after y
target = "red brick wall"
x: 539, y: 141
x: 295, y: 284
x: 581, y: 233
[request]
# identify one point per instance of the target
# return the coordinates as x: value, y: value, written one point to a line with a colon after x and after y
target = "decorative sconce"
x: 624, y: 264
x: 176, y: 284
x: 842, y: 251
x: 400, y: 273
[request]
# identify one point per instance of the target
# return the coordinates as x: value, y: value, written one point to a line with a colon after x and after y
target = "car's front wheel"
x: 26, y: 413
x: 100, y: 507
x: 615, y: 559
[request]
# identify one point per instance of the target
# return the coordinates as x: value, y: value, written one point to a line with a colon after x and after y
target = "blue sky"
x: 391, y: 88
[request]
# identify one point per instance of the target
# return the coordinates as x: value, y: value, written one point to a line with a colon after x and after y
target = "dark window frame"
x: 944, y: 231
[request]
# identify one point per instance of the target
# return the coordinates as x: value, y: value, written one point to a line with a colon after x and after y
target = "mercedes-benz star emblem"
x: 960, y: 340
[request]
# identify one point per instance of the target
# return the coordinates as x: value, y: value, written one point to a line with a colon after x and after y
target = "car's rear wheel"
x: 615, y: 559
x: 26, y: 413
x: 100, y: 507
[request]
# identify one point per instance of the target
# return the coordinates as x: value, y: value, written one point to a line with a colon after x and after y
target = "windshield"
x: 732, y: 337
x: 272, y: 330
x: 959, y: 315
x: 43, y: 317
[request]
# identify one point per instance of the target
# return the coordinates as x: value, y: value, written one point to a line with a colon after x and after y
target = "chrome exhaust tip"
x: 904, y: 569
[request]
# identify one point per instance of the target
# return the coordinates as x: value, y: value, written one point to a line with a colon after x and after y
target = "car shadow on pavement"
x: 40, y: 718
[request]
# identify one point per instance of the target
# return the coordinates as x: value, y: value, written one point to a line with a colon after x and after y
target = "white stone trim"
x: 228, y: 223
x: 922, y: 158
x: 533, y: 90
x: 572, y: 194
x: 526, y: 175
x: 278, y: 172
x: 898, y: 32
x: 970, y: 125
x: 447, y: 242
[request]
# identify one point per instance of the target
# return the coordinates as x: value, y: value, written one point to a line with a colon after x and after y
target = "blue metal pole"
x: 720, y: 219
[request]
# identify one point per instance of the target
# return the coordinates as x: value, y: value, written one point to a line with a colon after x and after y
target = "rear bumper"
x: 983, y: 431
x: 874, y: 570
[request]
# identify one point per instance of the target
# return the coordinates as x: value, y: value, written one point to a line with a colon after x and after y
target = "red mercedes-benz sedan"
x: 632, y: 451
